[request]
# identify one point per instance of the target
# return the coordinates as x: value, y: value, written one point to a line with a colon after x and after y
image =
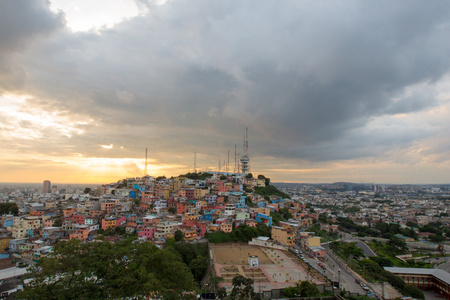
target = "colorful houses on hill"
x: 152, y: 208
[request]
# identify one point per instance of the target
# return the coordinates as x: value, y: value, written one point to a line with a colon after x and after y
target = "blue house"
x: 262, y: 218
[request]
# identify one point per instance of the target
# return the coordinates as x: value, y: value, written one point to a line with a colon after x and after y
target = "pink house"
x: 49, y: 222
x: 221, y: 221
x: 121, y: 221
x: 78, y: 219
x: 200, y: 226
x: 149, y: 232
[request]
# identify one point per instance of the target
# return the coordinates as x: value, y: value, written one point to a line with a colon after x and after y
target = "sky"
x: 347, y: 90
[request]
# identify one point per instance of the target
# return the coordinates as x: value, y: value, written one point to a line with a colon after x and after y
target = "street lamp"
x: 339, y: 278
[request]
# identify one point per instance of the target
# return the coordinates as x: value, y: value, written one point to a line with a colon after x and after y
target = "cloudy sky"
x: 330, y: 91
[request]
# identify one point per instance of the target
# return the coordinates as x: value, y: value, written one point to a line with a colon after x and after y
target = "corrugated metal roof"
x: 438, y: 273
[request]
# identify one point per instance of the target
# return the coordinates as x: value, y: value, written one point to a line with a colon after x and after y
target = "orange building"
x: 69, y: 211
x: 226, y: 227
x: 81, y: 234
x: 36, y: 213
x: 181, y: 208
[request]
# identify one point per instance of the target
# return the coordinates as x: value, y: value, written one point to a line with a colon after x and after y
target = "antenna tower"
x: 195, y: 162
x: 238, y: 163
x: 245, y: 159
x: 145, y: 170
x: 235, y: 157
x: 228, y: 161
x: 246, y: 141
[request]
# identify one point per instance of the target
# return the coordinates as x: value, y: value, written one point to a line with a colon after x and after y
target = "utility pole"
x: 195, y: 162
x: 235, y: 157
x: 228, y: 161
x: 339, y: 278
x: 145, y: 170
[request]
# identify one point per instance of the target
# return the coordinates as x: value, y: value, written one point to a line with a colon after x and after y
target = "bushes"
x: 270, y: 190
x: 242, y: 233
x: 413, y: 291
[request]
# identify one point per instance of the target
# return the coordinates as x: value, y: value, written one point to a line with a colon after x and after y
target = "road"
x: 444, y: 266
x: 366, y: 249
x: 347, y: 280
x: 335, y: 271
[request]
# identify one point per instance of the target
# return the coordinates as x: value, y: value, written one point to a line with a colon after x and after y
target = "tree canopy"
x: 103, y: 270
x: 8, y: 208
x: 304, y: 289
x: 199, y: 175
x: 270, y: 190
x: 242, y: 233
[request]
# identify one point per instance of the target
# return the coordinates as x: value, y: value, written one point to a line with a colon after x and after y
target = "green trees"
x: 347, y: 250
x: 280, y: 215
x: 9, y: 208
x: 201, y: 176
x: 243, y: 289
x: 398, y: 244
x: 178, y: 235
x: 413, y: 291
x: 103, y: 270
x: 270, y: 190
x: 241, y: 234
x: 195, y: 256
x: 304, y: 289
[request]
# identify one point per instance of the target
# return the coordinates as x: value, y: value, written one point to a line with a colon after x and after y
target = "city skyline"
x: 330, y: 92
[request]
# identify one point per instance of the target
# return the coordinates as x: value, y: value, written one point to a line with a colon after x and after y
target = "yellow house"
x: 4, y: 243
x: 189, y: 234
x: 22, y: 225
x: 264, y: 210
x: 166, y: 192
x: 285, y: 236
x: 191, y: 217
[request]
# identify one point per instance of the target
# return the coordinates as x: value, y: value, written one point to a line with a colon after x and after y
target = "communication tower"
x: 245, y: 160
x: 195, y: 162
x: 145, y: 170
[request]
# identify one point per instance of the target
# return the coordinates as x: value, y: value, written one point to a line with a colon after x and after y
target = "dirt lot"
x: 238, y: 255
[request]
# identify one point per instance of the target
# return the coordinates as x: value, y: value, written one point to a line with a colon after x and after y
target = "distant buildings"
x: 47, y: 187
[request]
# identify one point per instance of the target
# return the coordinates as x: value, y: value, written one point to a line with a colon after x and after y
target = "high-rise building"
x: 47, y: 187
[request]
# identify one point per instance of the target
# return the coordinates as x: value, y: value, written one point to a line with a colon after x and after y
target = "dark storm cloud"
x: 21, y: 23
x: 305, y: 77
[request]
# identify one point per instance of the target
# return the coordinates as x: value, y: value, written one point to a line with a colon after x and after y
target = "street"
x: 334, y: 271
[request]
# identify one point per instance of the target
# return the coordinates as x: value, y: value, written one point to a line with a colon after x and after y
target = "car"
x: 357, y: 281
